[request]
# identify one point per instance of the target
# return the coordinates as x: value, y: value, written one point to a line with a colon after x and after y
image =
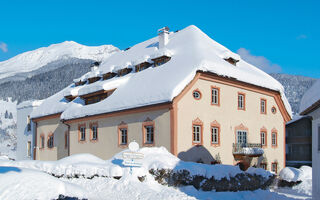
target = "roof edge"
x: 311, y: 108
x: 157, y: 106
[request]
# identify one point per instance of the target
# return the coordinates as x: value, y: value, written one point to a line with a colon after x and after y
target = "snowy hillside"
x: 8, y: 116
x: 21, y: 65
x: 295, y: 86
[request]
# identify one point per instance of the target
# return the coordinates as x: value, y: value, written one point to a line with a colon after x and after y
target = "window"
x: 241, y: 101
x: 215, y: 135
x: 142, y: 66
x: 215, y: 96
x: 274, y: 139
x: 274, y: 110
x: 149, y: 134
x: 42, y: 141
x: 263, y: 138
x: 94, y: 131
x: 196, y: 94
x: 29, y: 148
x: 274, y: 167
x: 242, y: 137
x: 263, y: 166
x: 124, y: 136
x: 263, y: 105
x: 123, y: 72
x: 50, y: 140
x: 160, y: 60
x: 82, y: 132
x: 95, y: 97
x: 197, y: 131
x: 28, y: 123
x: 196, y: 134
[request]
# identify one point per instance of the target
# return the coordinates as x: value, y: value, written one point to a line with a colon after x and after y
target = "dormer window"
x: 124, y: 71
x: 93, y: 79
x: 96, y: 96
x: 160, y: 60
x: 231, y: 61
x: 142, y: 66
x: 108, y: 75
x: 80, y: 83
x: 70, y: 97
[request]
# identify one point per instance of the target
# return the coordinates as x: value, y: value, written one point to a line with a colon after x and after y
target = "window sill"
x: 148, y: 144
x: 123, y: 145
x: 215, y: 144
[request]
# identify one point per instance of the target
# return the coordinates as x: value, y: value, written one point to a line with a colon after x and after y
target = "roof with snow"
x: 190, y: 50
x: 29, y: 103
x: 311, y: 99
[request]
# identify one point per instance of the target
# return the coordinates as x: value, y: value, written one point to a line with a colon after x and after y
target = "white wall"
x: 23, y: 135
x: 315, y: 155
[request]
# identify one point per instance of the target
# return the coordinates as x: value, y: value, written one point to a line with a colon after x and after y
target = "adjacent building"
x: 25, y: 129
x: 310, y: 106
x: 181, y: 90
x: 299, y: 141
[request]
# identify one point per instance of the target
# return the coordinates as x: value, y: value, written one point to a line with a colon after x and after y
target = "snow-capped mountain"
x: 23, y: 64
x: 295, y: 86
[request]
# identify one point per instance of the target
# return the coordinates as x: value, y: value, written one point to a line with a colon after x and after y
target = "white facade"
x: 25, y: 130
x: 315, y: 153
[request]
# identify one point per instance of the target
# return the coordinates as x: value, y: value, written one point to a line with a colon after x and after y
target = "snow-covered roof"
x: 190, y: 50
x: 296, y: 118
x: 29, y: 103
x: 311, y: 97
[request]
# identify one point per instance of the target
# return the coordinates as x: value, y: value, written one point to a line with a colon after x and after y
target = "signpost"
x: 132, y: 158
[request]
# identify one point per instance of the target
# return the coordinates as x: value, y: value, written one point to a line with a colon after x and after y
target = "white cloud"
x: 259, y: 61
x: 3, y: 47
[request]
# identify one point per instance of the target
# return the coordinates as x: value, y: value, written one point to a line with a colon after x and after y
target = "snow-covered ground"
x: 8, y: 119
x: 32, y: 179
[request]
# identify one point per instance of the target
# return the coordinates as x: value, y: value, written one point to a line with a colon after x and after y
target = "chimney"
x: 163, y: 34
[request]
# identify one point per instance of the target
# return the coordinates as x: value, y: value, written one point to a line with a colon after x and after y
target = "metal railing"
x: 244, y: 148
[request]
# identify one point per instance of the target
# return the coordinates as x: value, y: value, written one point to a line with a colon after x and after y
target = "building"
x: 25, y: 129
x: 180, y: 90
x: 299, y: 142
x: 310, y: 106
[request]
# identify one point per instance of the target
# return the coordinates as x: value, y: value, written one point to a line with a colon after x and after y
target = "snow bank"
x: 76, y: 165
x: 88, y: 165
x: 34, y: 184
x: 304, y: 174
x: 292, y: 174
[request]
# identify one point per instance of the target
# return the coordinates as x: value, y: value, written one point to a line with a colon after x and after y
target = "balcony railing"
x: 250, y: 149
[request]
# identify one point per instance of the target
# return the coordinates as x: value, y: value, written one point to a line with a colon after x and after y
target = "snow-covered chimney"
x: 163, y: 34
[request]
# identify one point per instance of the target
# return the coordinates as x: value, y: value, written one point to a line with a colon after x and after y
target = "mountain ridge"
x: 26, y: 64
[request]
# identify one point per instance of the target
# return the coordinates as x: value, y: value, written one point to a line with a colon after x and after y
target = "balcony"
x: 247, y: 149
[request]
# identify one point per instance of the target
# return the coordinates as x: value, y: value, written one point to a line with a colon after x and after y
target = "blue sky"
x: 278, y: 36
